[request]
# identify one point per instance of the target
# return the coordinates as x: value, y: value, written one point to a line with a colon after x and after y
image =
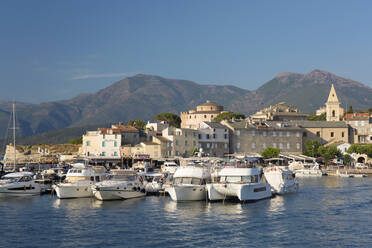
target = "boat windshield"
x: 288, y: 176
x: 239, y: 179
x: 122, y: 177
x: 189, y: 180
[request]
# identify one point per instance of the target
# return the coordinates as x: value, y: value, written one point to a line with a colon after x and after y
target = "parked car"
x: 361, y: 166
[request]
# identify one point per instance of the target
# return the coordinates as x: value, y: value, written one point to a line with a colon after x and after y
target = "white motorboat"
x: 281, y: 180
x: 245, y: 184
x: 305, y: 169
x: 18, y: 184
x: 169, y: 167
x: 152, y: 181
x: 189, y: 183
x: 338, y: 173
x: 119, y: 187
x: 79, y: 180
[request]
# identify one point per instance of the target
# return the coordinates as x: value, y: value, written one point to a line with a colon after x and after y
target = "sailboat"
x: 18, y: 183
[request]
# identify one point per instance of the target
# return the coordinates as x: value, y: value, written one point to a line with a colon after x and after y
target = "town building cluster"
x: 280, y: 126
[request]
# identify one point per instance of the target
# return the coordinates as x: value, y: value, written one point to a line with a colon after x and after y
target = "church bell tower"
x: 333, y: 106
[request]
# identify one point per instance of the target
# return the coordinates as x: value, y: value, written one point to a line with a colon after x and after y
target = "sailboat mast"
x: 14, y: 136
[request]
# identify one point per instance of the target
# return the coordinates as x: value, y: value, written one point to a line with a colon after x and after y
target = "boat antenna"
x: 14, y: 137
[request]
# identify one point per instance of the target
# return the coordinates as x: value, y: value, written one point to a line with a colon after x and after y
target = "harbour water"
x: 326, y: 212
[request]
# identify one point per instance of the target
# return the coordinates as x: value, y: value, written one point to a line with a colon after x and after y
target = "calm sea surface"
x: 327, y: 212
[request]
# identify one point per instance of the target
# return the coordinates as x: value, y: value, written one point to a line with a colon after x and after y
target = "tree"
x: 321, y: 117
x: 311, y: 148
x: 362, y: 149
x: 347, y: 159
x: 350, y: 110
x: 228, y: 116
x: 76, y: 141
x: 270, y: 152
x: 137, y: 124
x: 329, y: 152
x: 172, y: 119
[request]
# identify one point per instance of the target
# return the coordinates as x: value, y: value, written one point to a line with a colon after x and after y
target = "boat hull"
x: 115, y: 194
x: 73, y: 191
x: 19, y: 190
x: 187, y: 192
x: 243, y: 192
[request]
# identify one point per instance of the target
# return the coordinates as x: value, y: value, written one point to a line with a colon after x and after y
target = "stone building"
x: 255, y: 137
x: 182, y: 141
x: 361, y: 124
x: 144, y: 149
x: 204, y: 112
x: 325, y: 131
x: 278, y: 112
x: 214, y: 139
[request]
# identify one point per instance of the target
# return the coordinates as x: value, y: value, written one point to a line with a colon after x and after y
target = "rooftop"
x: 321, y: 124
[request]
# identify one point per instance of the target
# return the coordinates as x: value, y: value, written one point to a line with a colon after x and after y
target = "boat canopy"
x: 239, y: 172
x: 191, y: 171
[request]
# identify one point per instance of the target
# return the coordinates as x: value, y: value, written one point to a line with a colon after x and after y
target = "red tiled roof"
x: 353, y: 115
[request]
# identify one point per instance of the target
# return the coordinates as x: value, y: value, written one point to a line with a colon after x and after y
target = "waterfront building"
x: 144, y: 149
x: 204, y: 112
x: 214, y: 138
x: 255, y: 137
x: 155, y: 128
x: 182, y: 140
x: 106, y: 142
x: 325, y: 131
x: 361, y: 124
x: 278, y: 112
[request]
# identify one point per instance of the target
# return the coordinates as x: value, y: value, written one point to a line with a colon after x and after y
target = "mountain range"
x: 143, y: 96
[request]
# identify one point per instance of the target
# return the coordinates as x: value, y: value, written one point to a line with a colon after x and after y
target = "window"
x: 214, y: 136
x: 169, y: 144
x: 333, y: 113
x: 304, y: 134
x: 342, y: 134
x: 88, y: 143
x: 280, y: 145
x: 225, y: 130
x: 237, y: 132
x: 207, y: 136
x: 194, y: 143
x: 115, y: 143
x: 169, y: 153
x: 208, y: 145
x: 215, y: 145
x: 116, y: 136
x: 297, y: 134
x: 356, y: 123
x: 332, y: 134
x: 298, y: 146
x: 288, y: 146
x: 288, y: 134
x: 225, y: 136
x: 115, y: 153
x: 103, y: 143
x: 362, y: 123
x: 104, y: 136
x: 103, y: 154
x: 318, y: 133
x: 200, y: 136
x: 238, y: 145
x: 274, y: 133
x: 185, y: 134
x: 205, y: 116
x: 225, y: 145
x: 185, y: 142
x: 274, y: 145
x: 253, y: 145
x: 194, y: 134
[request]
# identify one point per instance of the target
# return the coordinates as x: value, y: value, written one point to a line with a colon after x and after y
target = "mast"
x: 14, y: 137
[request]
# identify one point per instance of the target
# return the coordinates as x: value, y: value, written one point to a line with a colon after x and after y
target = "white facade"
x: 101, y: 145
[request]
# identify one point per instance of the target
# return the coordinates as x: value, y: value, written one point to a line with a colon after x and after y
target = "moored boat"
x: 281, y: 180
x: 244, y: 184
x: 18, y: 184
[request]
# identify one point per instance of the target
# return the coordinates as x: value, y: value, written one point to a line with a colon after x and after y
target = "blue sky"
x: 52, y: 50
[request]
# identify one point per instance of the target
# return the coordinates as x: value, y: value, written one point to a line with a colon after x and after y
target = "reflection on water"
x: 327, y: 212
